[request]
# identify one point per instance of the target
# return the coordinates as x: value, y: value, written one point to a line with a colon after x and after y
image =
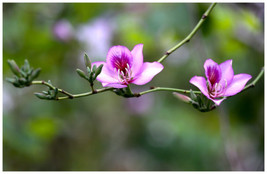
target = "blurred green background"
x: 153, y: 132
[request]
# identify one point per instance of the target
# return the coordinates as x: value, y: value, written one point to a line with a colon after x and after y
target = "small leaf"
x: 81, y: 73
x: 14, y: 67
x: 87, y: 61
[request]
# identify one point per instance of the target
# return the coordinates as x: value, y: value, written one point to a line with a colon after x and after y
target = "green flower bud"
x: 35, y: 74
x: 22, y: 80
x: 26, y: 67
x: 87, y: 61
x: 94, y: 68
x: 14, y: 67
x: 193, y: 95
x: 98, y: 71
x: 41, y: 96
x: 89, y: 70
x: 81, y: 73
x: 11, y: 80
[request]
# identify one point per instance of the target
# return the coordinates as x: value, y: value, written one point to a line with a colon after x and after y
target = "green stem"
x: 187, y: 39
x: 87, y: 93
x: 52, y: 87
x: 92, y: 87
x: 253, y: 83
x: 168, y: 89
x: 70, y: 96
x: 129, y: 91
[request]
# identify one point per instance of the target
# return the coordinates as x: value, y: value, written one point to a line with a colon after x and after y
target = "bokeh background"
x: 154, y: 132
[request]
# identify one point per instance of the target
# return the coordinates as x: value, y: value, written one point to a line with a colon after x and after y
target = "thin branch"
x: 167, y: 89
x: 87, y: 93
x: 70, y: 96
x: 187, y: 39
x: 253, y: 83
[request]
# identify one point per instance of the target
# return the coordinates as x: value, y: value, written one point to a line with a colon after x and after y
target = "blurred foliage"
x: 153, y: 132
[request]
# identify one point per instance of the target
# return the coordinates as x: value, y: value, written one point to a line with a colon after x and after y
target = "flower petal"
x: 106, y: 75
x: 148, y: 71
x: 209, y: 63
x: 212, y: 71
x: 200, y: 82
x: 118, y: 57
x: 238, y: 83
x: 227, y: 72
x: 217, y: 101
x: 137, y: 54
x: 114, y: 85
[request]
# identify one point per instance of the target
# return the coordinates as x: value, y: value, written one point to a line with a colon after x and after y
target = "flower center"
x: 124, y: 74
x: 216, y: 90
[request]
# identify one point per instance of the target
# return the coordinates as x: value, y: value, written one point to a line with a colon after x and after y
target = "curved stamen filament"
x: 217, y: 90
x: 125, y: 74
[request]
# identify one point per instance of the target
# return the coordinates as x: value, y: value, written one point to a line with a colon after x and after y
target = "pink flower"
x: 123, y: 67
x: 221, y: 81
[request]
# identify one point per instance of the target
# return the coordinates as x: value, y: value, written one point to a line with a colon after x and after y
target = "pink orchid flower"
x: 123, y: 67
x: 221, y: 81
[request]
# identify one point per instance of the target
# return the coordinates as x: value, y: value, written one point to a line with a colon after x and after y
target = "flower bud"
x: 22, y: 80
x: 87, y: 61
x: 35, y: 73
x: 193, y: 95
x: 26, y: 66
x: 14, y: 67
x: 98, y: 70
x: 182, y: 97
x: 81, y: 73
x: 41, y: 96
